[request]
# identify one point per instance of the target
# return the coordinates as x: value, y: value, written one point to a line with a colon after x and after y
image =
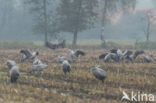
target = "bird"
x: 119, y: 52
x: 107, y: 57
x: 138, y: 52
x: 147, y: 58
x: 110, y: 56
x: 127, y: 52
x: 38, y: 66
x: 14, y: 70
x: 14, y: 74
x: 60, y: 59
x: 99, y: 73
x: 123, y: 55
x: 76, y: 54
x: 10, y: 63
x: 37, y: 61
x: 114, y: 51
x: 120, y: 55
x: 27, y: 55
x: 117, y: 55
x: 102, y: 56
x: 66, y: 67
x: 132, y: 57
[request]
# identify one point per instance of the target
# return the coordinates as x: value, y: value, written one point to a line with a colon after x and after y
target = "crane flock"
x: 115, y: 55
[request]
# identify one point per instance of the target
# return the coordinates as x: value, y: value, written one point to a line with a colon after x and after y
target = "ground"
x: 80, y: 86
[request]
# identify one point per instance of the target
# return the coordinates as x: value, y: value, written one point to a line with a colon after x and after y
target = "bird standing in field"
x: 132, y: 57
x: 14, y: 71
x: 114, y: 51
x: 126, y: 53
x: 123, y: 55
x: 66, y: 67
x: 110, y: 56
x: 147, y: 58
x: 38, y: 66
x: 76, y: 54
x: 99, y: 73
x: 102, y: 56
x: 27, y: 55
x: 37, y: 61
x: 60, y: 59
x: 10, y: 63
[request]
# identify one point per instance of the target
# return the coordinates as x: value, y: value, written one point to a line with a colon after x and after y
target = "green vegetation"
x: 89, y: 44
x: 19, y: 44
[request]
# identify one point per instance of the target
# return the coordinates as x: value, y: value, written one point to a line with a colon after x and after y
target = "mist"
x: 17, y: 24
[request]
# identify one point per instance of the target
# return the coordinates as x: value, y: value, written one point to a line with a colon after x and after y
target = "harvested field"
x: 80, y: 86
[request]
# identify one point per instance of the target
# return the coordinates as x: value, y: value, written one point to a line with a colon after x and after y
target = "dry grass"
x: 80, y: 86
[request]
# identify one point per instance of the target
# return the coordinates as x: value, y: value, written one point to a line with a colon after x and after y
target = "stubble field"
x: 80, y: 86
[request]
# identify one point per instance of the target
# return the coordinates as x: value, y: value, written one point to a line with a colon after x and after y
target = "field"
x: 80, y: 86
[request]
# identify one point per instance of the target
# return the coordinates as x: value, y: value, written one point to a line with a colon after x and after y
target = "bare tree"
x: 6, y: 9
x: 45, y: 21
x: 111, y: 6
x: 149, y: 19
x: 77, y: 16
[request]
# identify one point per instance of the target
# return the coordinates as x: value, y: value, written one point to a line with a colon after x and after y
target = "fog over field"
x: 17, y: 23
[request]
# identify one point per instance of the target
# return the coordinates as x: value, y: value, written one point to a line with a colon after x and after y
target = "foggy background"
x: 16, y: 23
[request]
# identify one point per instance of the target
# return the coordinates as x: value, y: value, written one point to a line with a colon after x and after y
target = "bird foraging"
x: 38, y: 66
x: 14, y: 71
x: 10, y: 63
x: 66, y: 67
x: 99, y: 73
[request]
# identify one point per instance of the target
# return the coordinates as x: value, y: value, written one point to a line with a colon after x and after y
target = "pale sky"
x: 145, y: 4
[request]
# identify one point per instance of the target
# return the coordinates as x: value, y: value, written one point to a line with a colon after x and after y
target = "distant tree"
x: 109, y: 7
x: 77, y: 16
x: 154, y: 2
x: 46, y: 21
x: 6, y: 9
x: 149, y: 20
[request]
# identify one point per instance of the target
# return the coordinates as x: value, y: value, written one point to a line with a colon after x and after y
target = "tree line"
x: 74, y: 16
x: 53, y: 17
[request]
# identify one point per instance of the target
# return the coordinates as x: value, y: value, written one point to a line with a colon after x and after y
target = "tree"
x: 153, y: 1
x: 46, y: 22
x: 6, y: 9
x: 108, y: 7
x: 76, y: 16
x: 149, y: 19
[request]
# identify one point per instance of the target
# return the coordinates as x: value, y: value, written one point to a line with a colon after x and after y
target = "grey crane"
x: 60, y: 59
x: 127, y: 52
x: 14, y: 71
x: 132, y: 57
x: 147, y: 58
x: 14, y: 74
x: 37, y: 61
x: 38, y: 66
x: 99, y: 73
x: 66, y: 67
x: 110, y: 56
x: 114, y: 51
x: 123, y: 55
x: 76, y: 54
x: 27, y: 55
x: 102, y: 56
x: 10, y: 63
